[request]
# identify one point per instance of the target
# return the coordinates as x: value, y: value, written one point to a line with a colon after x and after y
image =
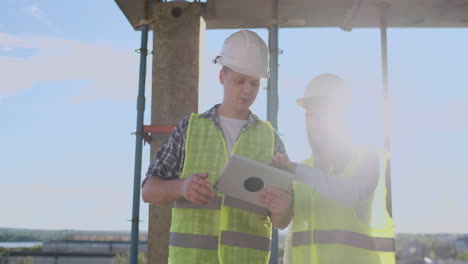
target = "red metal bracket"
x: 161, y: 129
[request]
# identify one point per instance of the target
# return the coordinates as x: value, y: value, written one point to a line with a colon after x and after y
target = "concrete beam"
x: 222, y: 14
x: 179, y: 32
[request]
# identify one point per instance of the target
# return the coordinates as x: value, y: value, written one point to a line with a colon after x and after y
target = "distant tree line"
x: 433, y: 246
x: 23, y: 235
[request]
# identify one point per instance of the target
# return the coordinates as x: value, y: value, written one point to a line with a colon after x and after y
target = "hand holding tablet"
x: 243, y: 178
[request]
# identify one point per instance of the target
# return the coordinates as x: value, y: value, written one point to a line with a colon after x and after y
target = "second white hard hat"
x: 326, y: 85
x: 245, y: 52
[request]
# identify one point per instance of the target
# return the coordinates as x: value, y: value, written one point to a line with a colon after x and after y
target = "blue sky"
x: 68, y: 85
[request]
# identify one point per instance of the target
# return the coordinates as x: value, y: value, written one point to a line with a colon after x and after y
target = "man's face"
x: 240, y: 90
x: 323, y: 121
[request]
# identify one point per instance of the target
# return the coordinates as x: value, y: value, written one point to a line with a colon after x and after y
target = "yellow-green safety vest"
x: 227, y: 230
x: 327, y: 232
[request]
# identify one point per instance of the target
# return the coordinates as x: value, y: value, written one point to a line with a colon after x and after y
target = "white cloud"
x: 9, y: 42
x: 111, y: 72
x: 37, y: 13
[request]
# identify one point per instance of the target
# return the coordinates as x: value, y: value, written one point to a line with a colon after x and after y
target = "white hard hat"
x: 245, y: 52
x: 326, y: 86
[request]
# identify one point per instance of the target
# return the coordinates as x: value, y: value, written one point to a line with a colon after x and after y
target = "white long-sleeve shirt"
x: 348, y: 191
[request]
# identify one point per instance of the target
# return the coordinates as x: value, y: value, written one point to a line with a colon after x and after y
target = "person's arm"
x: 158, y: 191
x: 279, y: 203
x: 347, y: 191
x: 195, y: 189
x: 162, y: 184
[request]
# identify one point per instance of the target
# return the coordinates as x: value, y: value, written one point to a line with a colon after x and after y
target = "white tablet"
x: 243, y: 178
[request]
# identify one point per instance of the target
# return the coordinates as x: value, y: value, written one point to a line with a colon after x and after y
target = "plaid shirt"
x: 169, y: 159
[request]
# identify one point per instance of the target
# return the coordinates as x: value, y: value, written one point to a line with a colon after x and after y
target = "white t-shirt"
x: 231, y: 129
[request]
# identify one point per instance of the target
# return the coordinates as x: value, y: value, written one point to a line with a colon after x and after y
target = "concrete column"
x: 179, y: 32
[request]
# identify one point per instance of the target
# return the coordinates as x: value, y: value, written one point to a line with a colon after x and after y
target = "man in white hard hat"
x: 340, y: 213
x: 208, y: 227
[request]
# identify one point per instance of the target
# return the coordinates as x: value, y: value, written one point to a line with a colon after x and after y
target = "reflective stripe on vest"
x: 237, y: 239
x: 354, y: 239
x: 216, y: 205
x: 193, y: 241
x: 228, y: 238
x: 301, y: 238
x: 344, y: 237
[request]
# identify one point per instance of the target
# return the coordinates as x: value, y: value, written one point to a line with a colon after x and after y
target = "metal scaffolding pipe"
x: 383, y: 7
x: 272, y: 102
x: 272, y: 111
x: 139, y: 139
x: 272, y: 91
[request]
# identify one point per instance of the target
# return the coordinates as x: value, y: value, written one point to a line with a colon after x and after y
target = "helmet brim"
x: 219, y: 60
x: 307, y: 100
